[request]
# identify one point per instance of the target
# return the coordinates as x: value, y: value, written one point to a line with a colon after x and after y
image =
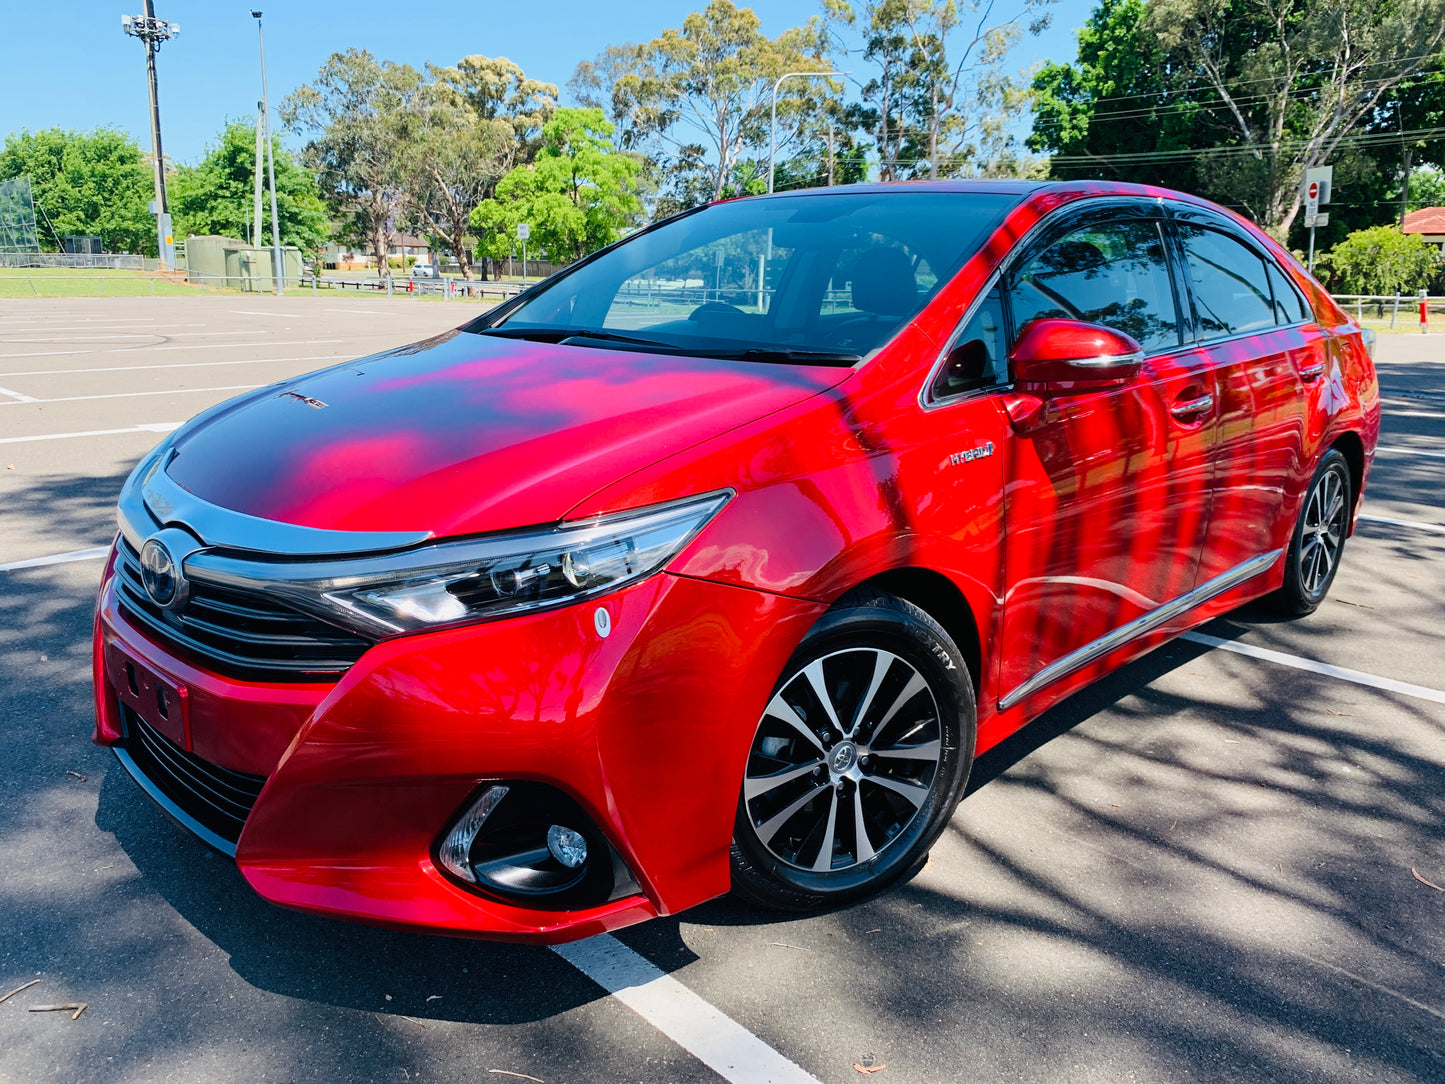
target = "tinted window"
x: 1229, y: 282
x: 839, y: 271
x: 1289, y: 307
x: 978, y: 357
x: 1113, y: 274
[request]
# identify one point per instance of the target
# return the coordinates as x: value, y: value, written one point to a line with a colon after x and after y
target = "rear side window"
x: 1229, y: 282
x: 1113, y: 273
x: 1289, y: 307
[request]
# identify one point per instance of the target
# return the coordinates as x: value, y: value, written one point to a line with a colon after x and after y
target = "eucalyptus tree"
x: 939, y: 99
x: 1296, y: 82
x: 479, y: 120
x: 698, y: 98
x: 362, y: 119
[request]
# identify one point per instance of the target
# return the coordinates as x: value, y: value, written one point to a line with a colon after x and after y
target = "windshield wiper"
x: 786, y: 354
x: 562, y: 334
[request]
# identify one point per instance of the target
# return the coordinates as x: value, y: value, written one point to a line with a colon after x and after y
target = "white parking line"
x: 91, y: 554
x: 106, y: 327
x: 277, y: 315
x: 1298, y: 663
x: 369, y: 312
x: 140, y: 335
x: 716, y: 1040
x: 17, y: 396
x: 173, y: 365
x: 1416, y: 523
x: 1409, y: 451
x: 154, y: 349
x: 138, y: 394
x: 147, y: 427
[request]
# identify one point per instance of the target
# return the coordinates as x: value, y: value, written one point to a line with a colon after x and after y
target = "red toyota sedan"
x: 713, y: 561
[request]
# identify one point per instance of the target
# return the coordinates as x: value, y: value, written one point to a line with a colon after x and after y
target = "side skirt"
x: 1140, y: 626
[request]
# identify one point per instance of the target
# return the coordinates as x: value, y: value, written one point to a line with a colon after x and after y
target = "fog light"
x: 567, y: 846
x: 455, y: 851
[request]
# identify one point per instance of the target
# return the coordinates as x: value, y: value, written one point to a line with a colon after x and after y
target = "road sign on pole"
x: 1324, y: 177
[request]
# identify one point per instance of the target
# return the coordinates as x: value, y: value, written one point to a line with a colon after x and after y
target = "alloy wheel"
x: 1323, y: 532
x: 844, y: 757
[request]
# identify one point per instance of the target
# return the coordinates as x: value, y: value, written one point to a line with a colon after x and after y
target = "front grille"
x: 238, y: 633
x: 216, y: 798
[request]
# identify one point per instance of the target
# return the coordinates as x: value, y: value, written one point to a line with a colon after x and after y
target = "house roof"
x: 1425, y: 220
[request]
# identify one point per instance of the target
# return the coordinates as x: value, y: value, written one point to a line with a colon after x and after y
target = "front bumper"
x: 646, y: 729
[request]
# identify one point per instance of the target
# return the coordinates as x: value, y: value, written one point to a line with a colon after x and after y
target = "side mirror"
x: 1061, y: 356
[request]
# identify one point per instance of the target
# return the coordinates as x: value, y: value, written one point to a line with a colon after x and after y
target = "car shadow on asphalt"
x: 343, y: 964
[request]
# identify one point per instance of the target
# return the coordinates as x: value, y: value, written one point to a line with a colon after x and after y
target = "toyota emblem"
x: 161, y: 574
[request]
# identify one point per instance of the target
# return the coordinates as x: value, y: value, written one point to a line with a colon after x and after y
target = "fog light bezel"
x: 508, y: 857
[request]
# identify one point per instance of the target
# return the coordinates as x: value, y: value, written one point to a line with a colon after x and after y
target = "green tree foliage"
x: 1381, y: 260
x: 577, y: 195
x: 1237, y: 98
x: 939, y: 102
x: 1117, y: 101
x: 699, y: 97
x: 481, y: 119
x: 216, y: 195
x: 93, y: 183
x: 362, y: 118
x: 1427, y: 189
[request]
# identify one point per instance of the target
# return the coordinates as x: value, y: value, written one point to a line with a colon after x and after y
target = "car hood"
x: 466, y: 433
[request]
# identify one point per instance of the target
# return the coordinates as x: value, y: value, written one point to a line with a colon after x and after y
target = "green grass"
x: 22, y: 282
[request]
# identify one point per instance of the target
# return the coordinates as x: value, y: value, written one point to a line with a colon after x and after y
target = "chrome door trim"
x: 151, y: 499
x: 1145, y: 623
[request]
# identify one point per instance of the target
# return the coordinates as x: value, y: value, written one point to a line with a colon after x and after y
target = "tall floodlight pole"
x: 773, y: 129
x: 152, y: 32
x: 256, y: 219
x: 270, y: 166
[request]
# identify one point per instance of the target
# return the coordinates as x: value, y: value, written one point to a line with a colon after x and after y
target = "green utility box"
x: 232, y: 263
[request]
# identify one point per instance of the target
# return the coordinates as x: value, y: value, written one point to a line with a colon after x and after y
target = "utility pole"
x: 270, y: 166
x: 152, y: 32
x: 256, y: 218
x: 773, y: 126
x: 830, y: 150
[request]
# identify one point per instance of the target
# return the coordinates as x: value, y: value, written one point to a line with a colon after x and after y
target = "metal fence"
x: 113, y: 261
x: 194, y: 282
x: 1396, y: 308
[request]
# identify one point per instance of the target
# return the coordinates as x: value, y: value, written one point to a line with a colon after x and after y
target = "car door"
x: 1254, y: 330
x: 1106, y: 498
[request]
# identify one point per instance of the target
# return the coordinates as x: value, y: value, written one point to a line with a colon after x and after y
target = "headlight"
x: 457, y: 582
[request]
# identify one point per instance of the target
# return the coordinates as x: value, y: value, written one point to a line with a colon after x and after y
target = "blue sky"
x: 88, y: 73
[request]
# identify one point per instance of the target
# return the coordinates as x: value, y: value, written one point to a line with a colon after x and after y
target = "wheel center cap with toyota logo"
x: 843, y: 757
x: 160, y: 568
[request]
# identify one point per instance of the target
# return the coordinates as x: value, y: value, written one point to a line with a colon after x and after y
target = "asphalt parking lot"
x: 1224, y: 863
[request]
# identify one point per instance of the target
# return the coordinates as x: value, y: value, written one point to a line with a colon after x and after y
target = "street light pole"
x: 270, y: 166
x: 773, y: 128
x: 152, y: 32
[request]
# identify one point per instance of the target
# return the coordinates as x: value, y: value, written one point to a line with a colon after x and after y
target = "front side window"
x: 1113, y: 273
x: 805, y: 277
x: 1232, y: 295
x: 979, y: 356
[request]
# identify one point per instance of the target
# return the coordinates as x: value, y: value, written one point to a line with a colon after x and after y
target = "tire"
x: 900, y: 707
x: 1318, y: 541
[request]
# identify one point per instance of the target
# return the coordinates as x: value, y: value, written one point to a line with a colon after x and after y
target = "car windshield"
x: 813, y: 278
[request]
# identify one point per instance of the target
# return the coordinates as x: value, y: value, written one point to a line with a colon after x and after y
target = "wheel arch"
x: 1352, y: 447
x: 941, y: 599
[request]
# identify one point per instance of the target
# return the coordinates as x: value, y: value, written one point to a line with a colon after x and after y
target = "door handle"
x: 1191, y: 409
x: 1312, y: 372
